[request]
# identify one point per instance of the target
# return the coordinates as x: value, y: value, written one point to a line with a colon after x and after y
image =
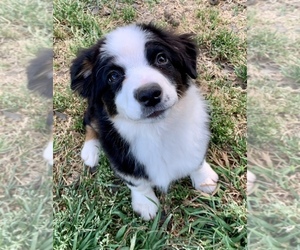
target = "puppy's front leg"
x: 205, y: 178
x: 91, y: 149
x: 48, y: 151
x: 251, y: 178
x: 144, y: 201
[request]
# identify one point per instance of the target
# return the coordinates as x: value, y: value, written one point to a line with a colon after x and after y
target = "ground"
x: 273, y: 124
x: 25, y: 184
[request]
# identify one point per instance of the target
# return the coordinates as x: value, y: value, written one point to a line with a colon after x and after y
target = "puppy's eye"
x: 114, y: 76
x: 161, y: 59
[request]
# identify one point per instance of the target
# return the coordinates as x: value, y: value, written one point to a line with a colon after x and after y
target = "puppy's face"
x: 136, y: 72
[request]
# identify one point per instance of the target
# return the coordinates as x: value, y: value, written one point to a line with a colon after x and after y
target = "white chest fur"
x: 173, y: 147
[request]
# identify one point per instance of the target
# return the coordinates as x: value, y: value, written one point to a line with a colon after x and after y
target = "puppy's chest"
x: 173, y: 147
x: 170, y: 153
x: 168, y: 149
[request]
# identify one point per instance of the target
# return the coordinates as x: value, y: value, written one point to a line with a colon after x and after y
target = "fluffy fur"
x: 145, y: 111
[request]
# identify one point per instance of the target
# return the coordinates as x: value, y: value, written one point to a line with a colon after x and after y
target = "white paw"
x: 146, y: 205
x: 251, y: 178
x: 90, y: 152
x: 205, y: 179
x: 48, y: 153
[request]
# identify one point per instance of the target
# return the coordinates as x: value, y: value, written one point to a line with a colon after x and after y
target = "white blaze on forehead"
x: 126, y: 45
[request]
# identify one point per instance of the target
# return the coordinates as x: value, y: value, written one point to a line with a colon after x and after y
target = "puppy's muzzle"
x: 149, y: 95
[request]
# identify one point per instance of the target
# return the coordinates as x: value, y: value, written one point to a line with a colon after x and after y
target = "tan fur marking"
x: 87, y: 68
x: 90, y: 133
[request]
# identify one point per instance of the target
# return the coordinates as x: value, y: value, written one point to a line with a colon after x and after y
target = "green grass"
x: 24, y: 21
x: 267, y: 43
x: 97, y: 212
x: 94, y: 211
x: 71, y: 20
x: 225, y: 45
x: 128, y: 14
x: 292, y: 71
x: 273, y: 115
x: 26, y: 216
x: 241, y: 72
x: 210, y: 17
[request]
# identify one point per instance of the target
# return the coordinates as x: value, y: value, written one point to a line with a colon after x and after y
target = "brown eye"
x: 114, y: 76
x: 161, y: 59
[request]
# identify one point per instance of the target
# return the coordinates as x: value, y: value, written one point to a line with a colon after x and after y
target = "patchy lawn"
x: 25, y: 182
x: 273, y: 124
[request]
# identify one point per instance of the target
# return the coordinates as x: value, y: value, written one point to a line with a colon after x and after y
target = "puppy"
x: 40, y: 80
x: 145, y: 111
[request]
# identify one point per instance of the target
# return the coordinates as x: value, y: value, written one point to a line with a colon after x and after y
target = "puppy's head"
x: 136, y: 72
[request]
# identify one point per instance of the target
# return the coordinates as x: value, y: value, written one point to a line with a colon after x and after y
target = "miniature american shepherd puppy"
x: 145, y: 111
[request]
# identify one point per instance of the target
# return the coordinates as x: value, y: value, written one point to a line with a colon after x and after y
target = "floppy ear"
x: 81, y: 70
x: 189, y: 54
x: 40, y: 73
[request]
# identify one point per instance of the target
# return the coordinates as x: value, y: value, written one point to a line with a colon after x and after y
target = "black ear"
x: 40, y: 73
x: 189, y: 54
x: 81, y: 70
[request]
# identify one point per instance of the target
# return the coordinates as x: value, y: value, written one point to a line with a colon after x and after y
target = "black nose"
x: 149, y: 95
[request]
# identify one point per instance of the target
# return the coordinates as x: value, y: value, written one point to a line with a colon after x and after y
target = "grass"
x: 241, y: 72
x: 27, y: 212
x: 222, y: 42
x: 128, y: 14
x: 292, y: 71
x: 21, y: 21
x: 25, y: 183
x: 94, y: 211
x: 273, y: 118
x: 225, y: 45
x: 267, y: 43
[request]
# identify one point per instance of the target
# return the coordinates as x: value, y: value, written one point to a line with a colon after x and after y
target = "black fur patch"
x: 115, y: 147
x: 170, y: 70
x: 182, y: 47
x: 40, y: 73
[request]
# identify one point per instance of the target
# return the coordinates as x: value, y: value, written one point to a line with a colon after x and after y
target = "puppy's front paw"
x: 251, y: 178
x: 145, y: 205
x: 205, y: 179
x: 90, y: 152
x: 48, y: 153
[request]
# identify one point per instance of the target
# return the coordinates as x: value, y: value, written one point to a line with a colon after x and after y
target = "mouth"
x: 156, y: 114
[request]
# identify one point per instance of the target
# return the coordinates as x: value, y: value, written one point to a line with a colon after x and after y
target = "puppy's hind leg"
x: 205, y: 178
x: 48, y: 151
x: 91, y: 148
x: 251, y: 178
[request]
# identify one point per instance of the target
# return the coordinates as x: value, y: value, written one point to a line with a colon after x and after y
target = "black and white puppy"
x: 145, y: 111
